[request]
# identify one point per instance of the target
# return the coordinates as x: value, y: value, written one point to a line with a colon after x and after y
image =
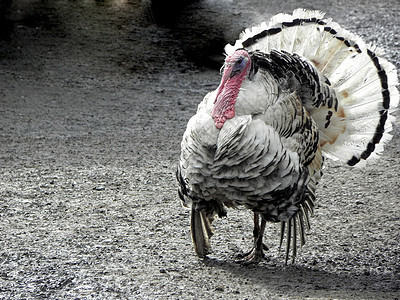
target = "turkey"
x: 293, y: 92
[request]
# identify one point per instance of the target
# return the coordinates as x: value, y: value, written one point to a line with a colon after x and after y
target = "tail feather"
x: 295, y: 228
x: 294, y: 225
x: 201, y: 232
x: 288, y: 239
x: 363, y: 81
x: 304, y: 212
x: 283, y: 225
x: 301, y: 229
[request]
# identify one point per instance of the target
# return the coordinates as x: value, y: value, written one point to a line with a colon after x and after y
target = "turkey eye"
x: 239, y: 66
x: 240, y: 63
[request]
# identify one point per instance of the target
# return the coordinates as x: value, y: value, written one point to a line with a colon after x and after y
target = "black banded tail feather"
x: 278, y: 29
x: 380, y: 129
x: 340, y: 57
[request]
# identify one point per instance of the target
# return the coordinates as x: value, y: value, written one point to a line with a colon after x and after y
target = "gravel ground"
x: 94, y: 99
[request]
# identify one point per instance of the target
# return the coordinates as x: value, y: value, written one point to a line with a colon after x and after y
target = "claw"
x: 253, y: 256
x: 256, y: 254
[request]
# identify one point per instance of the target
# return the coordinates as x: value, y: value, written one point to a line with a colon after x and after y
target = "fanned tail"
x: 201, y: 231
x: 363, y: 81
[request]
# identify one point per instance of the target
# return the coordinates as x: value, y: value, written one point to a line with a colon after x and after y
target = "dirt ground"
x: 94, y: 99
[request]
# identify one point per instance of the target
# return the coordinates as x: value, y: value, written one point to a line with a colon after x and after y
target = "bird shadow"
x: 313, y: 282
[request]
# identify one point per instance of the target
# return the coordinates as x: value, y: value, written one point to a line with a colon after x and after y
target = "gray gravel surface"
x: 94, y: 99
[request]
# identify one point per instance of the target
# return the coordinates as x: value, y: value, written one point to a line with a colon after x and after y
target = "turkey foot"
x: 253, y: 256
x: 256, y: 254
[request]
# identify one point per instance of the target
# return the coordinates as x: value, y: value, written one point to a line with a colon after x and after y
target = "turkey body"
x: 292, y: 93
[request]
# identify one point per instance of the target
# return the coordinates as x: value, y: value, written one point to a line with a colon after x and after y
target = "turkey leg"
x: 256, y: 254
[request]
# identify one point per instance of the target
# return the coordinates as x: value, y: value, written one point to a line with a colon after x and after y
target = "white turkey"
x: 293, y: 92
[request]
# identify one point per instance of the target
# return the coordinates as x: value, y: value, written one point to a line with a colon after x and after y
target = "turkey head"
x: 236, y: 68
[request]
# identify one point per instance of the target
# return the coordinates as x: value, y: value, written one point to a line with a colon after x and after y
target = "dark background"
x: 94, y: 99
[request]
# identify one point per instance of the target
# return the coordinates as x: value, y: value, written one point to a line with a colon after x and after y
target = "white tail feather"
x: 363, y: 82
